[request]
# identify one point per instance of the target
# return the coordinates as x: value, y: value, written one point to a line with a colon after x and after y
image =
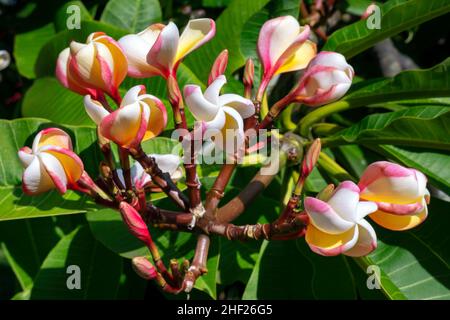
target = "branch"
x: 161, y: 179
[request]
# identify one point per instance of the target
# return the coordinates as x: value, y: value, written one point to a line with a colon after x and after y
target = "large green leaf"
x: 100, y: 269
x: 27, y: 46
x: 25, y: 244
x: 425, y: 126
x: 414, y: 264
x: 229, y: 28
x: 66, y: 12
x: 132, y: 15
x: 396, y: 16
x: 48, y: 99
x: 434, y: 164
x: 289, y: 270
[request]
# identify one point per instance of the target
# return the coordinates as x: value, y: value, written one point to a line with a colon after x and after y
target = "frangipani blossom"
x: 140, y: 117
x: 337, y: 224
x: 50, y: 163
x: 283, y: 46
x: 159, y: 49
x: 221, y: 114
x: 91, y: 67
x: 400, y: 194
x: 168, y: 163
x: 327, y: 79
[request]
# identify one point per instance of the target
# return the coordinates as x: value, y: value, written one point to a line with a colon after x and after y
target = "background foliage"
x: 403, y: 118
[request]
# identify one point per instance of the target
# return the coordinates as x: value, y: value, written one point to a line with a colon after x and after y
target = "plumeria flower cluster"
x: 334, y: 222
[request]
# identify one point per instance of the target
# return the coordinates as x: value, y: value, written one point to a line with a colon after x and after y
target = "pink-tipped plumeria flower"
x: 400, y: 194
x: 283, y: 46
x: 327, y: 78
x: 169, y: 163
x: 50, y: 163
x: 159, y: 49
x: 98, y: 65
x: 337, y: 224
x: 140, y: 117
x: 221, y: 116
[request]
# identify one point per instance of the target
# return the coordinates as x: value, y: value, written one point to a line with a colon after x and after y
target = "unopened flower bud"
x: 134, y: 222
x: 311, y: 157
x: 249, y: 73
x: 219, y: 66
x: 144, y: 268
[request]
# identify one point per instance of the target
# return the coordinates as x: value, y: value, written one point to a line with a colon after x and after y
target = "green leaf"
x: 358, y: 7
x: 46, y: 60
x: 100, y: 269
x: 425, y: 126
x: 414, y: 263
x: 215, y: 3
x: 289, y: 270
x: 25, y: 244
x: 107, y: 227
x: 395, y: 17
x: 427, y: 83
x: 229, y: 28
x: 280, y: 8
x: 48, y: 99
x: 132, y: 15
x: 66, y: 12
x: 407, y: 85
x: 27, y: 46
x: 434, y: 164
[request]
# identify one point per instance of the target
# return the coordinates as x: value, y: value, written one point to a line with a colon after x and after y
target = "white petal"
x: 364, y: 208
x: 283, y: 35
x: 94, y: 109
x: 325, y: 218
x: 201, y: 108
x: 25, y: 156
x: 242, y: 105
x: 215, y: 124
x: 167, y: 162
x: 213, y: 91
x: 367, y: 240
x: 35, y: 178
x: 345, y: 200
x: 132, y: 95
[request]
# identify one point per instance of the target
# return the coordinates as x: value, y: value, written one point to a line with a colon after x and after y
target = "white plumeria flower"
x: 50, y: 163
x: 283, y: 46
x: 327, y: 79
x: 140, y: 117
x: 97, y: 65
x: 168, y: 163
x: 159, y: 49
x: 337, y: 225
x: 400, y: 194
x: 221, y: 115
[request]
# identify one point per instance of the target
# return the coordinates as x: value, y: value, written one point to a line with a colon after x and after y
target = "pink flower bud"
x: 311, y: 157
x: 249, y: 73
x: 144, y: 268
x: 134, y: 222
x: 327, y: 79
x: 219, y: 66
